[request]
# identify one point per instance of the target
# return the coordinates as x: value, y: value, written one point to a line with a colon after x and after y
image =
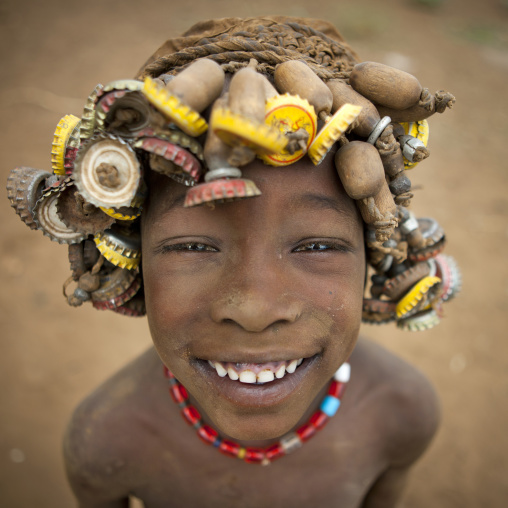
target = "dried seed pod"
x: 385, y: 85
x: 89, y: 282
x: 198, y: 85
x: 390, y: 152
x: 345, y: 94
x: 245, y: 135
x: 427, y: 106
x: 24, y: 188
x: 380, y: 211
x: 223, y: 181
x: 400, y: 184
x: 247, y: 95
x: 360, y: 169
x: 297, y: 78
x: 76, y: 260
x: 270, y: 90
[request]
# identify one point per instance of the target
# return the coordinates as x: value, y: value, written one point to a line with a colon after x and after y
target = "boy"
x: 254, y: 306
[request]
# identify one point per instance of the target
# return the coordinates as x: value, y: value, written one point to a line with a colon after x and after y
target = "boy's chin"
x: 257, y: 430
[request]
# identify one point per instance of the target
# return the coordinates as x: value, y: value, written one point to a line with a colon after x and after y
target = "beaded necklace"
x: 287, y: 444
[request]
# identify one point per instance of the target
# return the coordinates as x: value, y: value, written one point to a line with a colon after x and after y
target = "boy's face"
x: 269, y: 279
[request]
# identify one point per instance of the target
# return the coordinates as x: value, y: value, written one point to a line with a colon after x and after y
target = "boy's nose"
x: 256, y: 301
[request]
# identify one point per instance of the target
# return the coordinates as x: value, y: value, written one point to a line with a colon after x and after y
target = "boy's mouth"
x: 258, y: 373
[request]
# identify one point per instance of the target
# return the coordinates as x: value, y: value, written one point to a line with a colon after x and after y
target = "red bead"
x: 274, y: 452
x: 318, y: 419
x: 306, y: 431
x: 178, y: 393
x: 254, y: 455
x: 207, y: 434
x: 191, y: 415
x: 229, y: 448
x: 336, y: 389
x: 167, y: 373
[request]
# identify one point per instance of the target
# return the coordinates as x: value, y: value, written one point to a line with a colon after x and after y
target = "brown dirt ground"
x: 54, y: 52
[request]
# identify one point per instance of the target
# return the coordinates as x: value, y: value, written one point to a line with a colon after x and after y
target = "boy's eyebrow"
x: 323, y: 202
x: 174, y: 202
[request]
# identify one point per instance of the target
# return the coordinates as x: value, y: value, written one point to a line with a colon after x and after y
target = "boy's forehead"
x: 300, y: 185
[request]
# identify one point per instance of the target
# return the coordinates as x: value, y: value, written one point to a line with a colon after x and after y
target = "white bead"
x: 343, y: 374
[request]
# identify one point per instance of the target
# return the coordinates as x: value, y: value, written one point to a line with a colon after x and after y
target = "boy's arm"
x: 95, y: 469
x: 387, y: 489
x: 410, y: 428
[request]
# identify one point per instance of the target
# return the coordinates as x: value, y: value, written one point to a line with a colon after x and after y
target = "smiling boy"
x: 261, y: 283
x: 254, y: 303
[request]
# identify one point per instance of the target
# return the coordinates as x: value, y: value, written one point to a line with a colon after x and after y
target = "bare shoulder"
x: 400, y: 399
x: 101, y: 453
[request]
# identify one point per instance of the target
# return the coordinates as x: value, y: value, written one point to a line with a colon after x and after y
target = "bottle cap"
x: 290, y: 114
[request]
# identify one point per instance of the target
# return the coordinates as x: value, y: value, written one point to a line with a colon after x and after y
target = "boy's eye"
x: 321, y: 246
x: 188, y: 246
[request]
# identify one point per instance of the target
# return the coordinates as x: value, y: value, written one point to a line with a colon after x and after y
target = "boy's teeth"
x: 257, y: 372
x: 247, y: 376
x: 265, y: 376
x: 220, y: 369
x: 291, y: 367
x: 279, y: 373
x: 232, y: 374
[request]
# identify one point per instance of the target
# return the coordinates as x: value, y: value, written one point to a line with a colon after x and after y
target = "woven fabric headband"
x: 275, y: 88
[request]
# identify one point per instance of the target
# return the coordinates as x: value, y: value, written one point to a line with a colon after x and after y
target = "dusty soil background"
x: 53, y: 53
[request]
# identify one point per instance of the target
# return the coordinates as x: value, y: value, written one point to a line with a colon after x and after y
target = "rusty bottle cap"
x: 24, y: 188
x: 47, y: 219
x: 79, y: 215
x: 107, y: 172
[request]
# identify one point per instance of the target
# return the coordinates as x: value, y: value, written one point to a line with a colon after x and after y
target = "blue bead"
x: 216, y: 443
x: 330, y: 405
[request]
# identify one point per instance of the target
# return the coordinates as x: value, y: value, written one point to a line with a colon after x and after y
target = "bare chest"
x: 322, y: 473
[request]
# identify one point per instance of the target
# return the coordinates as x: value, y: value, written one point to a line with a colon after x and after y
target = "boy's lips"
x: 258, y: 373
x: 255, y: 394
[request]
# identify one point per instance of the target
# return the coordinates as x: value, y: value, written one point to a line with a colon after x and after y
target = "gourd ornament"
x: 186, y: 95
x: 241, y: 123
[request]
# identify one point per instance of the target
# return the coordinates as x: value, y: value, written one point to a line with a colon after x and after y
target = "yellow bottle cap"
x: 290, y: 113
x: 332, y: 131
x: 417, y: 298
x: 236, y: 130
x: 66, y: 134
x: 187, y: 119
x: 419, y: 130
